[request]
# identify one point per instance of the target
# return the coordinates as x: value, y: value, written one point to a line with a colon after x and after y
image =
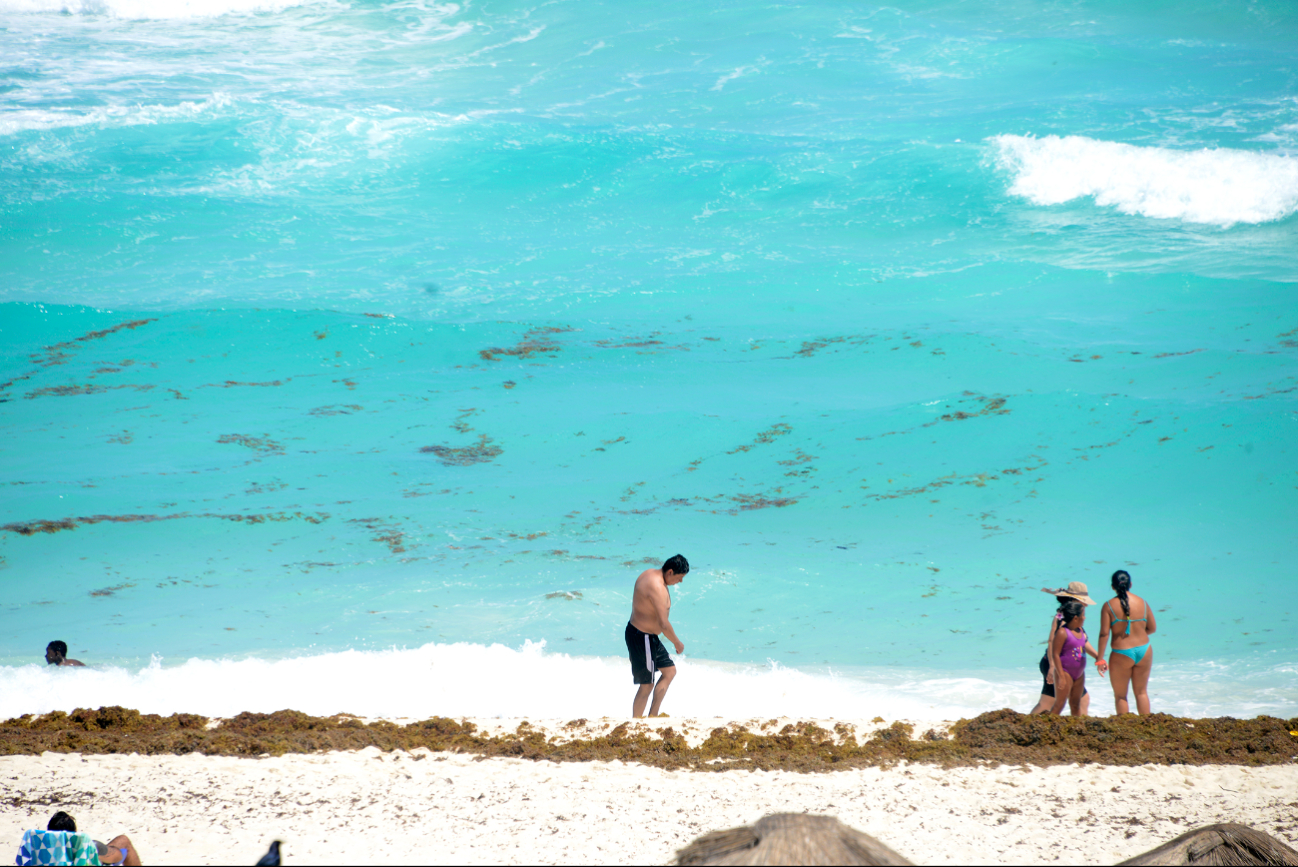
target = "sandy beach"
x: 367, y: 806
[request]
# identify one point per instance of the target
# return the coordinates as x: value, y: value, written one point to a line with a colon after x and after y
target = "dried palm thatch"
x: 1226, y: 844
x: 789, y: 838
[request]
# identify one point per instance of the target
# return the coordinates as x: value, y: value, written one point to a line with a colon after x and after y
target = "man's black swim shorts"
x: 647, y: 654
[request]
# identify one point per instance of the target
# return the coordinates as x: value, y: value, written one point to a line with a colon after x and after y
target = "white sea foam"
x: 23, y: 120
x: 1216, y: 186
x: 476, y: 680
x: 149, y: 9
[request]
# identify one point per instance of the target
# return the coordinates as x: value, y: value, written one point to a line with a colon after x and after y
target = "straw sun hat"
x: 1075, y: 589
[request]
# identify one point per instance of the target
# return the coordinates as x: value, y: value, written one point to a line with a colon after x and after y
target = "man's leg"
x: 641, y: 699
x: 665, y: 676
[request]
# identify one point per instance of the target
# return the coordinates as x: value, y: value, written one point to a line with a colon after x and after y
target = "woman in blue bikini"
x: 1132, y: 622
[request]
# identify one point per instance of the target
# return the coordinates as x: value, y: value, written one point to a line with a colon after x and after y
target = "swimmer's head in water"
x: 677, y: 565
x: 61, y: 821
x: 56, y: 652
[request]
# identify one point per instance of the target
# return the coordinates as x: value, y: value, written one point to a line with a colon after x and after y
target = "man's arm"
x: 660, y: 602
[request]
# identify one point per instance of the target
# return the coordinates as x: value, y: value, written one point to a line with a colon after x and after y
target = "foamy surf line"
x: 473, y: 680
x: 150, y: 9
x: 1220, y: 186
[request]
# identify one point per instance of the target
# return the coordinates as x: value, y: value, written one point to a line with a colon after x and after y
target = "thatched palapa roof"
x: 790, y: 838
x: 1225, y: 844
x: 795, y: 838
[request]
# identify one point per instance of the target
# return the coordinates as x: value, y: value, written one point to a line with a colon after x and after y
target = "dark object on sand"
x: 271, y: 858
x: 789, y: 838
x: 1227, y: 844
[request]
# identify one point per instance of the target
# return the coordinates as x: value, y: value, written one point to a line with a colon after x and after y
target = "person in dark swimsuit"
x: 1133, y: 656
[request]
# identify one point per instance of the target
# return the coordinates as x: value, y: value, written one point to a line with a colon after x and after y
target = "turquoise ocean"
x: 356, y: 355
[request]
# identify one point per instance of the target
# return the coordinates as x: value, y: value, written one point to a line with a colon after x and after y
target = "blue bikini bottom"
x: 1135, y: 654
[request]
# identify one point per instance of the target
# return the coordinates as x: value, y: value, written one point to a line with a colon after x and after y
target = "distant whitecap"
x: 1219, y: 186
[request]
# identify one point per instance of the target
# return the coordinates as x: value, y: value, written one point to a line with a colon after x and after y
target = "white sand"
x: 370, y: 807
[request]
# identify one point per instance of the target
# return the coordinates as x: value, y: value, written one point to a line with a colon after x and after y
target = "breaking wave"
x: 1218, y: 186
x: 497, y: 681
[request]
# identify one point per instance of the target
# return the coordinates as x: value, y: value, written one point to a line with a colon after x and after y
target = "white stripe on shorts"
x: 648, y: 658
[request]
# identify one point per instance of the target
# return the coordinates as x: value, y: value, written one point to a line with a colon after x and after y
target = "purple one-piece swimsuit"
x: 1073, y: 654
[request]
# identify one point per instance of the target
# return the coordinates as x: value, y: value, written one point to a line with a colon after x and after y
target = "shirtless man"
x: 649, y: 609
x: 56, y: 653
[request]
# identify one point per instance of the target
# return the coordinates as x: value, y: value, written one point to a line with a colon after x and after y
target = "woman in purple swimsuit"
x: 1068, y: 652
x: 1075, y: 591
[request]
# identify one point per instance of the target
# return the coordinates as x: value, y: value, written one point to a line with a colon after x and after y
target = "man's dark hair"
x: 59, y: 647
x: 677, y: 564
x: 61, y: 821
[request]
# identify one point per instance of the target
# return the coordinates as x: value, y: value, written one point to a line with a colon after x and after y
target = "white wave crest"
x: 1216, y: 186
x: 149, y: 9
x: 23, y: 120
x: 496, y: 681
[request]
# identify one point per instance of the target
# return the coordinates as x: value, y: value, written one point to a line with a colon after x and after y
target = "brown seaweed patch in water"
x: 1001, y: 737
x: 70, y: 390
x: 978, y: 480
x: 778, y: 429
x: 393, y: 540
x: 263, y: 444
x: 749, y: 502
x: 109, y: 591
x: 337, y: 409
x: 57, y: 353
x: 481, y: 452
x: 384, y: 533
x: 811, y: 347
x: 29, y: 528
x: 534, y: 342
x: 990, y: 406
x: 230, y: 383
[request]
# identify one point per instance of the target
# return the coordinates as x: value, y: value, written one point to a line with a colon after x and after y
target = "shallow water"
x: 342, y: 327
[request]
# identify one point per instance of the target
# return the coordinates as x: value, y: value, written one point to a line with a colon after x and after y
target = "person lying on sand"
x: 56, y: 653
x: 118, y: 851
x: 1049, y: 674
x: 650, y: 606
x: 1068, y: 653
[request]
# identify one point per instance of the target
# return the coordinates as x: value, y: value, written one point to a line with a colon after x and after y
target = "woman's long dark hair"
x: 1121, y: 583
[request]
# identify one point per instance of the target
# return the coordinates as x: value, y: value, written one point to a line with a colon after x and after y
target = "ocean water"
x: 356, y: 356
